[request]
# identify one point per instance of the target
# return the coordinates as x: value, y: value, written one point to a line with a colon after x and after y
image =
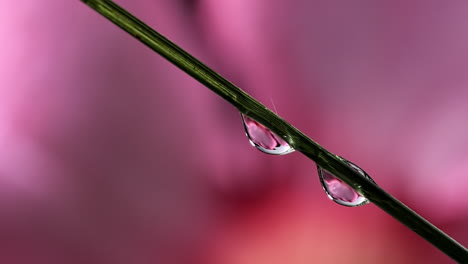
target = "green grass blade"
x: 300, y: 142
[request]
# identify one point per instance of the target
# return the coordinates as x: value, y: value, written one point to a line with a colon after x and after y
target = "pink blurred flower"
x: 111, y: 155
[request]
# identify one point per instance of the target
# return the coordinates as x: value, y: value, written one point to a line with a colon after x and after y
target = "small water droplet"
x: 339, y: 191
x: 264, y: 139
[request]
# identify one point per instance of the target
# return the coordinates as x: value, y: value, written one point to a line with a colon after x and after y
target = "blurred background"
x: 109, y: 154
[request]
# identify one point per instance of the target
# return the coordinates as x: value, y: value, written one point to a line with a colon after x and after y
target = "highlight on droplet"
x: 263, y: 138
x: 340, y: 192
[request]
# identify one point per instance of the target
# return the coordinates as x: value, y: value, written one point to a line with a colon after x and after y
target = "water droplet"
x: 263, y: 139
x: 339, y: 191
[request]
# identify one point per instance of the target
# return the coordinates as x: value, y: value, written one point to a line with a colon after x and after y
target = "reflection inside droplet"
x: 263, y: 139
x: 339, y: 191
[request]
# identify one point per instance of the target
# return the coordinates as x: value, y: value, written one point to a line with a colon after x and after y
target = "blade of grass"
x: 249, y: 106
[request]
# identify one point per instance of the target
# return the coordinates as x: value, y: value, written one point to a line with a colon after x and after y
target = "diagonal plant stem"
x: 300, y: 142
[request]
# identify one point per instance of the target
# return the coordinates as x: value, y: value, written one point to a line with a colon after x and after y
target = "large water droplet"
x: 263, y: 139
x: 339, y: 191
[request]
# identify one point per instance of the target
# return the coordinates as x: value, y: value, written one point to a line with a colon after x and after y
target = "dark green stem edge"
x: 300, y: 142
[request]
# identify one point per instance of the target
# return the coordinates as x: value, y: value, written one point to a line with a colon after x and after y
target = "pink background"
x: 109, y: 154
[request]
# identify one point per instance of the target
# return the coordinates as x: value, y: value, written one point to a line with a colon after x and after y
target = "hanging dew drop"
x: 268, y: 142
x: 264, y: 139
x: 340, y: 192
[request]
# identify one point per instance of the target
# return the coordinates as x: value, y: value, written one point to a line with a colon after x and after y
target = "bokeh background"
x: 109, y: 154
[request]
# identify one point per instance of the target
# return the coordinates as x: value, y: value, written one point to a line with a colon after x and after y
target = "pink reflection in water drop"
x: 339, y: 191
x: 263, y: 139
